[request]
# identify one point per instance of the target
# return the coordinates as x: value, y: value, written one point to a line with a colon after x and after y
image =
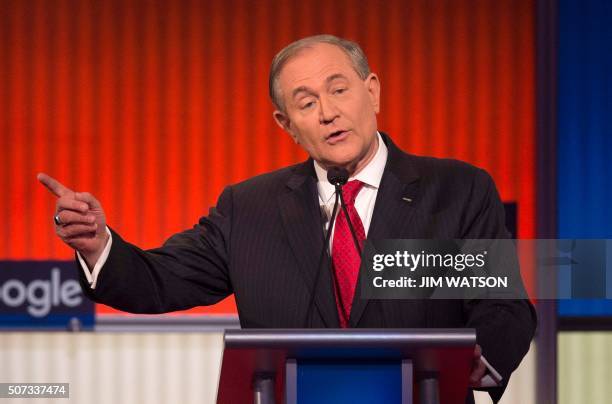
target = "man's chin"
x: 348, y: 163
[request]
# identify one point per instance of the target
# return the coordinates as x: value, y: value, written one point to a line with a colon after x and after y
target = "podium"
x: 306, y: 366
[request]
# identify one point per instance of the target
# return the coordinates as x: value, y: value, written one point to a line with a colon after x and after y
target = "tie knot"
x: 350, y: 191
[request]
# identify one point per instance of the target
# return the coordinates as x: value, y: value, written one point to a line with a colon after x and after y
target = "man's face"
x: 330, y: 110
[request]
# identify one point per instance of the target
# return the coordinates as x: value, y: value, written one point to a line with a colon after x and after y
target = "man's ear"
x: 283, y: 121
x: 373, y: 88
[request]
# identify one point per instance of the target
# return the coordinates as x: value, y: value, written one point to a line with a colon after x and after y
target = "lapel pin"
x: 407, y: 199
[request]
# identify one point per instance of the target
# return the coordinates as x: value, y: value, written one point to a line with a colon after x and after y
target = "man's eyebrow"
x: 334, y: 77
x: 299, y: 90
x: 328, y: 80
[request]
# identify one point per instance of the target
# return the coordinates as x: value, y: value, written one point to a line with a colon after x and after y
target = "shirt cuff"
x: 92, y: 277
x: 492, y: 378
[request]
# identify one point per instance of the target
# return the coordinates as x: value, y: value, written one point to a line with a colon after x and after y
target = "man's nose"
x: 328, y: 111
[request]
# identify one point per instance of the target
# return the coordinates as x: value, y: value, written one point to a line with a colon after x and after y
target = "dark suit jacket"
x: 263, y: 240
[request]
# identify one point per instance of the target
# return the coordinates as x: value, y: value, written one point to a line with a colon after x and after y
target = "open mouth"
x: 335, y: 135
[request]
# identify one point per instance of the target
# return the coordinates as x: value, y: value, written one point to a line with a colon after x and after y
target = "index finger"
x: 53, y: 185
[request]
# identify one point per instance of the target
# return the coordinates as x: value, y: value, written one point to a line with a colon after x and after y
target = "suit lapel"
x: 398, y: 193
x: 300, y: 212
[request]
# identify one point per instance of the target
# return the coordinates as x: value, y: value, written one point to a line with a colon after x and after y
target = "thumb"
x: 88, y: 199
x: 477, y: 352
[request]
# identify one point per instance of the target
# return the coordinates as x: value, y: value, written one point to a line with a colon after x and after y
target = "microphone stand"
x: 308, y: 321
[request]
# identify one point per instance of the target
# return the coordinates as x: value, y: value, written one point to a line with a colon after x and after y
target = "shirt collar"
x: 370, y: 175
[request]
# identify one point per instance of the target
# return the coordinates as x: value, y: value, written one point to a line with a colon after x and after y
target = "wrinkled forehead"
x: 315, y: 64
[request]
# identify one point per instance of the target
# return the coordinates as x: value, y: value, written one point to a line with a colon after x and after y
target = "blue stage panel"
x: 322, y: 383
x: 585, y: 131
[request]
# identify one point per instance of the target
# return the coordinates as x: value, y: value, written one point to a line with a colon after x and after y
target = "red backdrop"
x: 154, y: 106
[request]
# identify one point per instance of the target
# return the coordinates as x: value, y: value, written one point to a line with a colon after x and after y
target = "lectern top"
x: 362, y: 338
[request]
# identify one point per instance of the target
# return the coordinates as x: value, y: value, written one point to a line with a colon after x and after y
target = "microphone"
x: 337, y: 177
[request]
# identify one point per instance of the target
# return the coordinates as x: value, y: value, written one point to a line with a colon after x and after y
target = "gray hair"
x: 351, y: 49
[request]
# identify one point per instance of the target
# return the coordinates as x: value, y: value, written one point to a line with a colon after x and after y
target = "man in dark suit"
x: 264, y: 238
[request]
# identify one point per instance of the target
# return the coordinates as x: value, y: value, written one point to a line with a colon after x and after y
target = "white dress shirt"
x: 370, y: 175
x: 92, y: 277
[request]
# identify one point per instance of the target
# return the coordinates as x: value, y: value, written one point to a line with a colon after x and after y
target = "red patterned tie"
x: 345, y: 257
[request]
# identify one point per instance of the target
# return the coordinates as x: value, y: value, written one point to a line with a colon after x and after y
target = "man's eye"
x: 308, y: 105
x: 340, y: 90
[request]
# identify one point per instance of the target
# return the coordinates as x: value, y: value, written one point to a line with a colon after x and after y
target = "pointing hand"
x: 79, y: 219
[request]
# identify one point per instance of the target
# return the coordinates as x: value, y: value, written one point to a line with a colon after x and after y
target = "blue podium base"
x: 345, y: 382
